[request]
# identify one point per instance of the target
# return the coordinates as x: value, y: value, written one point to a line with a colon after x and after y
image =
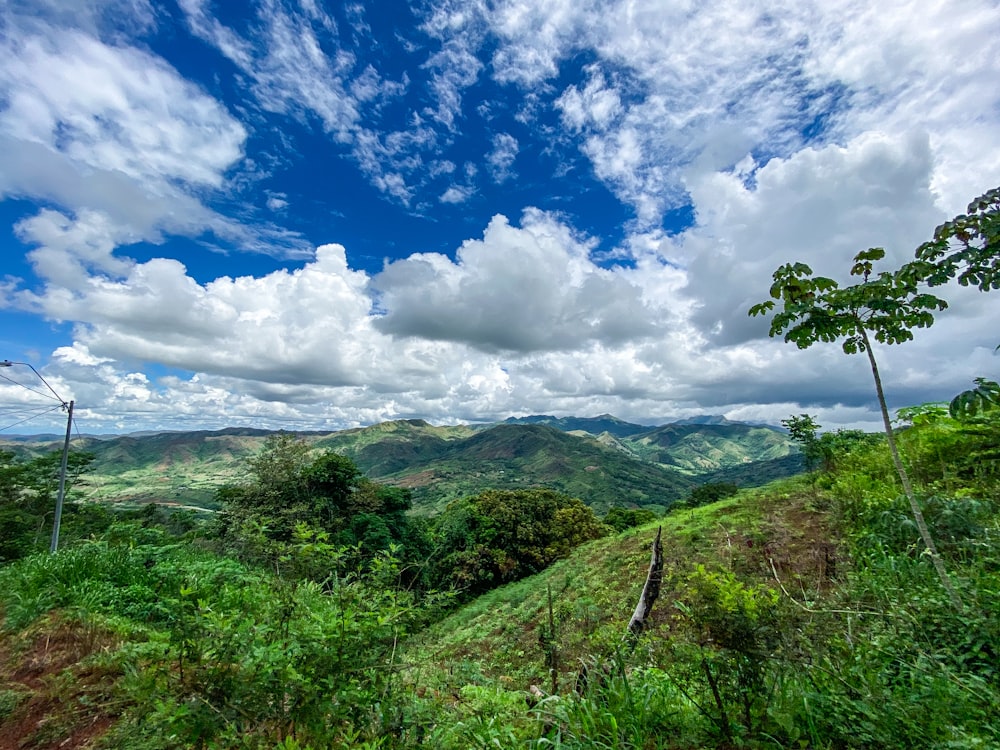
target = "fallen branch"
x: 650, y: 591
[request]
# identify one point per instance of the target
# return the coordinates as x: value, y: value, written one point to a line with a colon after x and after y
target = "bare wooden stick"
x: 650, y: 590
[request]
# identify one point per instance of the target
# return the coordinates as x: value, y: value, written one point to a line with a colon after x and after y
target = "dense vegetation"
x: 799, y: 615
x: 316, y: 612
x: 644, y: 466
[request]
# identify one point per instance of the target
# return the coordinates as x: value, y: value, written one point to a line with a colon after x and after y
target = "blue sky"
x: 322, y: 215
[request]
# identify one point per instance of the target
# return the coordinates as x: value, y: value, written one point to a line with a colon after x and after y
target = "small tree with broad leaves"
x: 884, y: 306
x: 967, y: 248
x: 983, y: 398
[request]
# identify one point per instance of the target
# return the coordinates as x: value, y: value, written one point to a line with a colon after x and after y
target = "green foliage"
x: 967, y: 247
x: 983, y: 398
x: 816, y: 308
x: 826, y: 450
x: 725, y: 635
x: 803, y: 429
x: 619, y: 518
x: 709, y: 493
x: 625, y: 708
x: 221, y: 656
x: 292, y: 494
x: 28, y: 488
x: 500, y: 536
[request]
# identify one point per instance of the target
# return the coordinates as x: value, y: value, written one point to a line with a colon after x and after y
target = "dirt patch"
x: 68, y: 696
x: 420, y: 479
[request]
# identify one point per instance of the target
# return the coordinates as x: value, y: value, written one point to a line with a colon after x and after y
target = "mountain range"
x: 603, y: 460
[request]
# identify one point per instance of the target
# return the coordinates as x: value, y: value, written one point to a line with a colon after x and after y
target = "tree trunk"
x: 650, y: 590
x: 918, y: 516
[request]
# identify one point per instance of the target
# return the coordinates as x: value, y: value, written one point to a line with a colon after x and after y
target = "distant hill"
x: 757, y: 473
x: 593, y: 425
x: 702, y: 448
x: 510, y: 456
x: 603, y: 460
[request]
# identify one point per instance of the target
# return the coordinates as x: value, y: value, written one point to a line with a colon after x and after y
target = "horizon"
x: 655, y: 424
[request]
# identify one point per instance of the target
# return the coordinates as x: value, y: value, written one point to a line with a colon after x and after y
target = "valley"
x: 603, y: 460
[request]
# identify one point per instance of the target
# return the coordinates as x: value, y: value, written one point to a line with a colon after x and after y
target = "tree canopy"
x: 500, y: 536
x: 291, y: 491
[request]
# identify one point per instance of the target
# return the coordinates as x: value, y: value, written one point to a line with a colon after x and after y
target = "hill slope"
x: 702, y: 448
x: 596, y: 588
x: 511, y: 456
x: 603, y: 460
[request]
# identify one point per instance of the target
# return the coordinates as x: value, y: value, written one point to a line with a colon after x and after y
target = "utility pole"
x: 68, y: 406
x: 62, y: 479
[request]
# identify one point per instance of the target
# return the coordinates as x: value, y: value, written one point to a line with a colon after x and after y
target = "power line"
x: 21, y: 409
x: 33, y: 416
x: 29, y: 388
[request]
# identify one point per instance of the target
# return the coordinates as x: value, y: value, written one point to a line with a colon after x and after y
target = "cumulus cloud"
x: 113, y: 130
x: 821, y: 206
x: 796, y: 132
x: 519, y: 289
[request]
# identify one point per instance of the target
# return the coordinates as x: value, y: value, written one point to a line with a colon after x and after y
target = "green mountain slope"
x: 702, y: 448
x: 511, y: 456
x: 595, y: 589
x: 603, y: 460
x: 593, y: 425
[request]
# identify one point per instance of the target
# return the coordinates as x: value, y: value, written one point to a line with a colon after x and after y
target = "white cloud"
x: 108, y: 130
x: 115, y: 109
x: 501, y: 158
x: 457, y: 194
x: 107, y: 19
x: 459, y: 27
x: 521, y: 289
x: 756, y: 79
x: 69, y: 250
x: 596, y: 105
x: 820, y: 206
x: 277, y: 201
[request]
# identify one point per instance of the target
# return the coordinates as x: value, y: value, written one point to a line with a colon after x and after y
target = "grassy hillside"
x: 511, y: 456
x: 440, y: 464
x: 702, y: 448
x: 595, y: 590
x: 803, y: 614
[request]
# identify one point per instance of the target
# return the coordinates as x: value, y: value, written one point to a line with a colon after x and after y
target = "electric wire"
x: 9, y: 412
x: 34, y: 390
x: 28, y: 419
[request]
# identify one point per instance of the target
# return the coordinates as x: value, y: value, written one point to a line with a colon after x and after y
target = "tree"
x: 710, y: 492
x: 290, y: 492
x: 967, y: 247
x: 822, y: 451
x: 803, y: 430
x: 619, y: 518
x: 983, y: 398
x: 499, y: 536
x: 888, y: 306
x: 27, y: 497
